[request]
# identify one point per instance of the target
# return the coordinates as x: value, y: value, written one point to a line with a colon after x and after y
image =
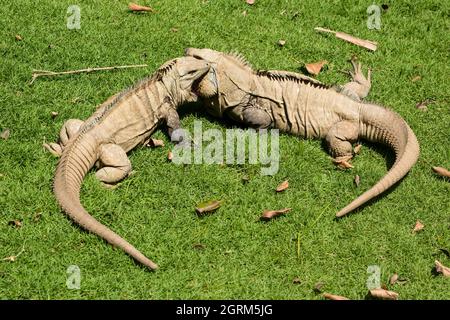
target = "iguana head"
x: 181, y: 75
x: 229, y: 78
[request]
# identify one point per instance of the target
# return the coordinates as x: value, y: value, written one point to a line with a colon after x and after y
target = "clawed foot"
x: 360, y: 86
x: 343, y: 162
x: 54, y: 148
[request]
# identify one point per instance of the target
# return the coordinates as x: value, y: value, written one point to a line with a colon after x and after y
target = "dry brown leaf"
x: 314, y: 68
x: 135, y: 7
x: 393, y: 279
x: 283, y: 186
x: 419, y: 226
x: 270, y: 214
x: 5, y: 134
x: 250, y: 2
x: 423, y: 105
x: 371, y: 45
x: 296, y: 280
x: 37, y: 216
x: 383, y: 294
x: 18, y: 37
x: 416, y: 78
x: 208, y: 206
x: 169, y: 155
x: 357, y: 148
x: 318, y: 287
x: 15, y: 223
x: 330, y: 296
x: 440, y: 268
x: 14, y: 258
x: 199, y: 246
x: 442, y: 172
x: 154, y: 143
x: 54, y: 114
x: 245, y: 178
x: 173, y: 29
x: 281, y: 43
x: 357, y: 180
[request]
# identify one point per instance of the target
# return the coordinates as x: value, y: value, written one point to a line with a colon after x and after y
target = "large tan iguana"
x: 294, y: 104
x: 119, y: 124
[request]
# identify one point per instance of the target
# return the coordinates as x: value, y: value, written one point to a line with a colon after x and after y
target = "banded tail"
x: 78, y: 158
x: 387, y: 127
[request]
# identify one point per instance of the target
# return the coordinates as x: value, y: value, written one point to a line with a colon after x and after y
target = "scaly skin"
x: 120, y: 124
x: 293, y: 104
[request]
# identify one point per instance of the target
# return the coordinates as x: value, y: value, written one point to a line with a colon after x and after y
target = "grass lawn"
x: 228, y: 254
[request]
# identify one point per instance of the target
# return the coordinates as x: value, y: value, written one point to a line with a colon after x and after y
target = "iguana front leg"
x: 172, y: 119
x: 360, y: 86
x: 68, y: 130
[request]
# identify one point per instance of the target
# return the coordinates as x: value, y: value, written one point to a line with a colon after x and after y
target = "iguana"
x: 294, y: 104
x: 122, y: 122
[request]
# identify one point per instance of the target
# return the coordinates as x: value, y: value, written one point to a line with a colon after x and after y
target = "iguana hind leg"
x: 358, y: 88
x: 68, y: 130
x: 114, y: 164
x: 340, y: 139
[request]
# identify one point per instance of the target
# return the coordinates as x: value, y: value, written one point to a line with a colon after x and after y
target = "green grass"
x: 154, y: 209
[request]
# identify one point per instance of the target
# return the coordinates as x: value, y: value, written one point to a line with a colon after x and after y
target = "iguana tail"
x: 378, y: 124
x: 78, y: 157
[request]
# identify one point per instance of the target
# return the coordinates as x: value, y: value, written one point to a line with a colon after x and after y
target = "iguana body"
x: 295, y: 105
x: 121, y: 123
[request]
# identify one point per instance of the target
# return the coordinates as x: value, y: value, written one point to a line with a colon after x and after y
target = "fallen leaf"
x: 135, y: 7
x: 281, y: 43
x: 295, y: 15
x: 416, y: 78
x: 330, y: 296
x: 200, y: 246
x: 154, y: 143
x: 383, y: 294
x: 314, y: 68
x: 270, y: 214
x: 173, y: 29
x: 37, y: 216
x: 18, y: 37
x: 296, y: 280
x: 318, y: 287
x: 15, y: 223
x: 357, y: 148
x: 14, y: 258
x: 244, y: 13
x: 54, y: 114
x: 440, y: 268
x: 357, y: 180
x: 208, y: 206
x: 283, y: 186
x: 423, y: 105
x: 5, y: 134
x: 250, y: 2
x: 393, y: 279
x: 419, y: 226
x: 169, y: 155
x: 442, y: 172
x: 245, y: 179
